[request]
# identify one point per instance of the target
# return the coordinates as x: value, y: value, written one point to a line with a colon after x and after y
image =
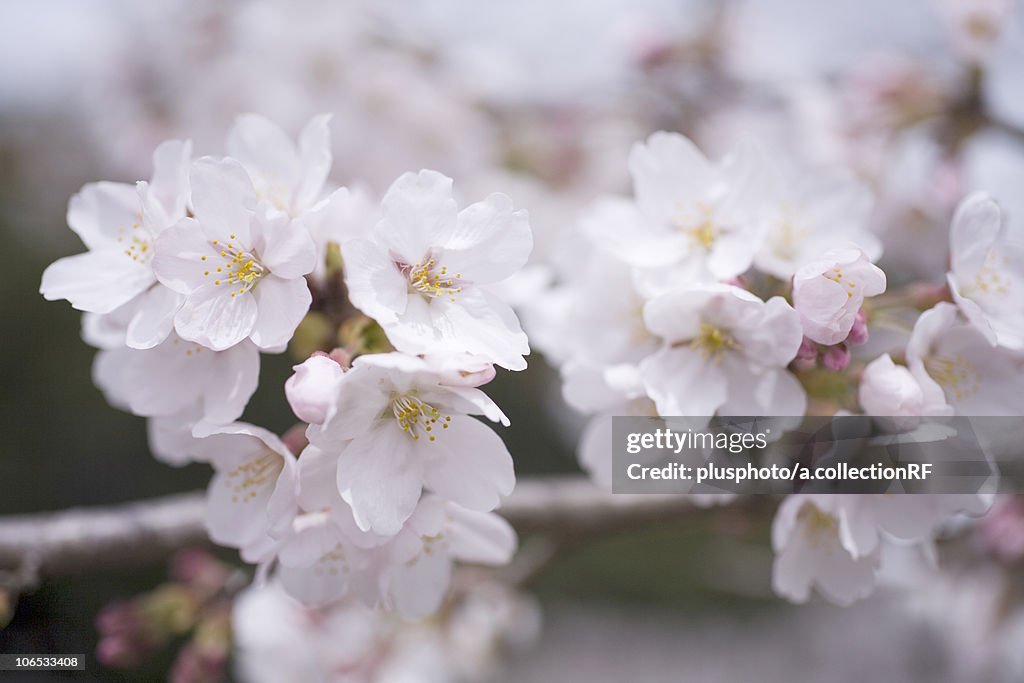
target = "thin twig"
x: 83, y: 540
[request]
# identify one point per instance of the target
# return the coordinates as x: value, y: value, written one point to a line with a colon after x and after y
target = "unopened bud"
x: 859, y: 332
x: 836, y: 358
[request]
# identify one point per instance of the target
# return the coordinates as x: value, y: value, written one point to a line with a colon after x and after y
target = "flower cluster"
x: 744, y: 287
x: 190, y: 276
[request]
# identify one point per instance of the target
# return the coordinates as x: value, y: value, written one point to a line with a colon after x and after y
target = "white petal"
x: 480, y: 537
x: 96, y: 281
x: 99, y: 213
x: 179, y: 262
x: 315, y: 160
x: 169, y: 183
x: 268, y: 154
x: 282, y: 305
x: 375, y: 285
x: 469, y: 464
x: 479, y: 323
x: 381, y: 477
x: 671, y: 376
x: 417, y: 589
x: 287, y: 248
x: 230, y: 382
x: 490, y: 241
x: 215, y: 319
x: 155, y: 317
x: 668, y: 170
x: 418, y: 213
x: 223, y: 198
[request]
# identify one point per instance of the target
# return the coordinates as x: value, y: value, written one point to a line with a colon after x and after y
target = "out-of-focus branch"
x: 83, y: 540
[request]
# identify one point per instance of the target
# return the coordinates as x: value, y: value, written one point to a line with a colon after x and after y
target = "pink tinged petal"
x: 267, y: 153
x: 223, y: 198
x: 282, y: 304
x: 318, y: 488
x: 468, y: 464
x: 681, y: 381
x: 155, y: 317
x: 287, y: 248
x: 820, y: 303
x: 668, y: 170
x: 375, y: 285
x: 314, y: 159
x: 170, y: 439
x: 836, y: 358
x: 416, y: 589
x: 96, y: 281
x: 418, y: 213
x: 381, y: 477
x: 312, y: 388
x: 314, y: 537
x: 490, y: 241
x: 230, y: 382
x: 480, y: 323
x: 215, y: 319
x: 480, y: 537
x: 169, y: 183
x: 184, y: 259
x: 99, y: 213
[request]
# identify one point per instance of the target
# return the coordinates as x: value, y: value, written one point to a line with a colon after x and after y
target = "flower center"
x: 427, y: 279
x: 240, y: 267
x: 700, y: 228
x: 955, y: 374
x: 137, y: 243
x: 713, y: 341
x: 990, y: 279
x: 246, y: 480
x: 416, y: 417
x: 820, y: 528
x: 836, y: 275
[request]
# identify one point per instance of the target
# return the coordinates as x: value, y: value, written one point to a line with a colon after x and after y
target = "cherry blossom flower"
x: 312, y: 387
x: 289, y: 177
x: 240, y: 266
x: 424, y: 272
x: 396, y: 427
x: 809, y: 552
x: 253, y: 497
x: 729, y: 343
x: 806, y: 214
x: 118, y: 222
x: 688, y: 212
x: 177, y: 375
x: 987, y: 271
x: 949, y: 356
x: 829, y: 291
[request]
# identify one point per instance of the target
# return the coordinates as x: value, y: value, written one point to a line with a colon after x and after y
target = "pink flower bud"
x: 295, y: 438
x: 311, y: 389
x: 859, y: 332
x: 120, y: 652
x: 836, y: 358
x: 195, y: 566
x: 808, y: 350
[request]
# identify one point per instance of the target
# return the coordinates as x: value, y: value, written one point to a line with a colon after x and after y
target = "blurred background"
x: 922, y: 99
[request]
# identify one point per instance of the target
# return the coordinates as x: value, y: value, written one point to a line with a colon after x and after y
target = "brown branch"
x: 83, y: 540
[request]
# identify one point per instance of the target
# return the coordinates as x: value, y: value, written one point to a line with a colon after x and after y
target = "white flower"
x: 396, y: 428
x: 177, y: 375
x: 421, y: 274
x: 829, y: 291
x: 288, y: 177
x: 118, y: 223
x: 949, y: 356
x: 240, y: 266
x: 725, y: 352
x: 253, y: 497
x: 688, y: 212
x: 809, y: 552
x: 987, y: 275
x: 888, y: 390
x: 807, y: 214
